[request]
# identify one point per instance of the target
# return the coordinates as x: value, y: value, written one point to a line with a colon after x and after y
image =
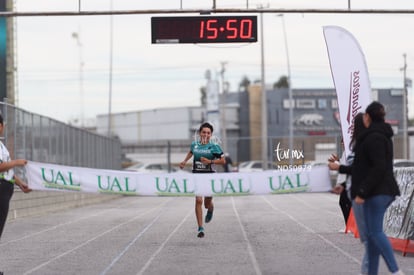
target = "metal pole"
x: 405, y: 129
x: 289, y: 88
x: 227, y: 11
x: 264, y: 99
x: 110, y: 71
x: 223, y: 108
x: 76, y: 35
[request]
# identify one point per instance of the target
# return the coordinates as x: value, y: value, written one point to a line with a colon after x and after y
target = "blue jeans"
x: 378, y: 243
x: 362, y: 230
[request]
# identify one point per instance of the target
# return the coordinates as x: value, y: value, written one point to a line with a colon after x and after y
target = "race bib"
x: 199, y: 166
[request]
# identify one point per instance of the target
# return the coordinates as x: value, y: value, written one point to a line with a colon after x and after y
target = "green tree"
x: 244, y: 84
x: 281, y: 83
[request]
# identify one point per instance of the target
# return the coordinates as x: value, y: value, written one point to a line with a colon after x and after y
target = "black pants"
x: 345, y: 204
x: 6, y: 192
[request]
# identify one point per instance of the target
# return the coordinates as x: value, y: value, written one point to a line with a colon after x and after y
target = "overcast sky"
x: 147, y: 76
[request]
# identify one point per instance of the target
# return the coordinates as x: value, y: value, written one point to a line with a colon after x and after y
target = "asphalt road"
x: 272, y: 234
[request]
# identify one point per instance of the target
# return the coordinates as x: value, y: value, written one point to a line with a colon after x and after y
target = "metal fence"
x: 38, y: 138
x: 305, y: 149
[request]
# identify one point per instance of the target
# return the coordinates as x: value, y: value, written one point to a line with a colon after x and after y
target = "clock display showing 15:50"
x: 203, y: 29
x: 232, y: 29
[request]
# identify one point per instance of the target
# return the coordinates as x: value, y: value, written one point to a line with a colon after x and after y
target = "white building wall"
x: 164, y: 124
x: 156, y: 124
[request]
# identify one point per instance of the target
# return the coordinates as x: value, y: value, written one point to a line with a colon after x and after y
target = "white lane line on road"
x: 249, y: 246
x: 148, y: 263
x: 312, y: 206
x: 312, y: 231
x: 114, y: 261
x: 94, y: 238
x: 54, y: 227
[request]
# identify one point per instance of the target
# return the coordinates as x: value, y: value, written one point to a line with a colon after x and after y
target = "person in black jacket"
x: 358, y: 129
x: 373, y: 183
x: 341, y: 188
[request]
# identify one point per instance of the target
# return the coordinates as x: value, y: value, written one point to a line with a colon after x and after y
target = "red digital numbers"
x: 204, y: 29
x: 246, y: 28
x: 227, y: 29
x: 231, y: 26
x: 210, y: 28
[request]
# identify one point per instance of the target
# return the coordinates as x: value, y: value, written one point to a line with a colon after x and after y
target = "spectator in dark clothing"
x: 373, y: 184
x: 228, y: 166
x: 341, y: 188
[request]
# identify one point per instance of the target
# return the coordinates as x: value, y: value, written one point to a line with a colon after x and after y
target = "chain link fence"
x: 240, y: 149
x: 37, y: 138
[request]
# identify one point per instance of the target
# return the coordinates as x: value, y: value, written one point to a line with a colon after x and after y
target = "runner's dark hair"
x: 206, y: 125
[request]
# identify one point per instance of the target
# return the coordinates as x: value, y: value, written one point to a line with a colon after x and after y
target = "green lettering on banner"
x: 113, y: 185
x: 287, y: 184
x: 59, y: 180
x: 171, y: 186
x: 229, y: 187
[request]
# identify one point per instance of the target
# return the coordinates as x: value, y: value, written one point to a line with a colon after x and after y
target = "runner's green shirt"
x: 210, y: 151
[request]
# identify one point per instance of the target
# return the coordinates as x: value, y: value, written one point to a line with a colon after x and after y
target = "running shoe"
x: 209, y: 216
x: 200, y: 233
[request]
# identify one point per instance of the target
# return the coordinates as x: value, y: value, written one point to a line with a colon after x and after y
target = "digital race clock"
x: 204, y: 29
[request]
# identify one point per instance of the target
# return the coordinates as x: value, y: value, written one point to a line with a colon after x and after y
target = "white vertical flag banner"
x: 350, y: 76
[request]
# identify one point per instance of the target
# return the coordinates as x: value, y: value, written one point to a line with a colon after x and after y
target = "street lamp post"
x: 289, y: 88
x: 76, y: 36
x: 264, y: 99
x: 404, y: 111
x: 110, y: 70
x: 223, y: 107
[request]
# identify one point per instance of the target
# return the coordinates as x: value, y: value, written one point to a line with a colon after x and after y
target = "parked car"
x: 151, y: 168
x: 403, y: 163
x: 253, y: 166
x: 250, y: 166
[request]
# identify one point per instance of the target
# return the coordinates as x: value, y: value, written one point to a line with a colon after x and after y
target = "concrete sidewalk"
x: 272, y: 234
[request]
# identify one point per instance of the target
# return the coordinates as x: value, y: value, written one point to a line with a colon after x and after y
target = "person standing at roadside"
x: 8, y: 179
x: 206, y: 154
x: 347, y: 169
x: 340, y: 188
x: 378, y: 188
x: 374, y: 185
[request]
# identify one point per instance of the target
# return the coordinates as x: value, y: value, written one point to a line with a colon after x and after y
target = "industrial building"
x: 164, y: 135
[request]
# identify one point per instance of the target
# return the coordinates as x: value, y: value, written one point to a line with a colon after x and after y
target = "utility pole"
x: 76, y: 36
x: 223, y: 107
x: 291, y: 104
x: 404, y: 111
x: 111, y: 43
x: 264, y: 99
x: 8, y: 83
